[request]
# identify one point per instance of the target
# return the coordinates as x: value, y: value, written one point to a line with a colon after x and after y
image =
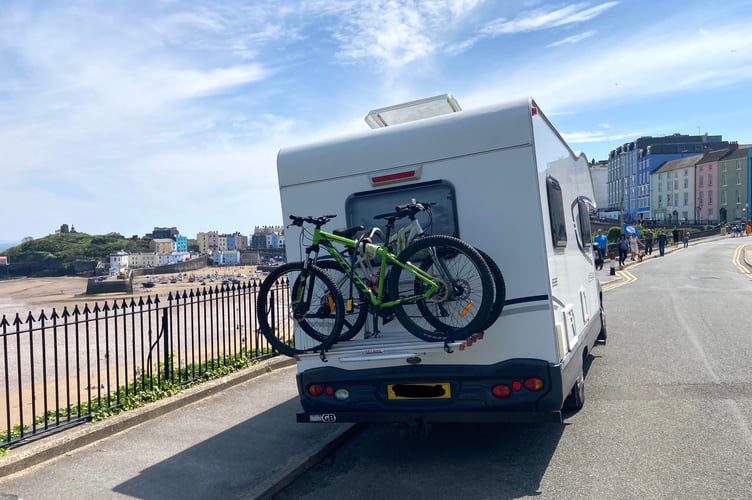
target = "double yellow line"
x: 625, y: 277
x: 739, y: 262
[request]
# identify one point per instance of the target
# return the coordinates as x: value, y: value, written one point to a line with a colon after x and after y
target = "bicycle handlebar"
x: 298, y: 220
x: 406, y: 210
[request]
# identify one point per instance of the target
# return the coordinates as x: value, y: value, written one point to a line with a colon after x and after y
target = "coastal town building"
x: 673, y: 190
x: 734, y: 184
x: 163, y: 245
x: 630, y: 167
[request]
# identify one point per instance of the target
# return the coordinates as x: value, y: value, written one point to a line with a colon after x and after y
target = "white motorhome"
x: 503, y: 180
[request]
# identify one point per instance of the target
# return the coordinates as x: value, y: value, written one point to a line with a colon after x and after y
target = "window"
x: 362, y: 207
x: 710, y: 180
x: 701, y: 198
x: 710, y: 197
x: 700, y: 179
x: 581, y: 209
x: 556, y: 213
x: 686, y: 183
x: 686, y: 198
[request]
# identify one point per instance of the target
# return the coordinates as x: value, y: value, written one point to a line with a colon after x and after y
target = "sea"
x: 8, y: 244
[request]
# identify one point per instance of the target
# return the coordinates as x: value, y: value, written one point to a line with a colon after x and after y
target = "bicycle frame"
x: 326, y: 240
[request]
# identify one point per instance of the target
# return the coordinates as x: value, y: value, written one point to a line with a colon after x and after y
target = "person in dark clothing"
x: 648, y: 237
x: 598, y: 256
x: 662, y: 240
x: 675, y: 234
x: 623, y: 245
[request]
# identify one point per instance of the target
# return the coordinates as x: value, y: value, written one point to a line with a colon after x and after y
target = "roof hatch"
x: 413, y: 110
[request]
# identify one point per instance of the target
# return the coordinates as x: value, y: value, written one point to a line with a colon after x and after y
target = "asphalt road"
x: 668, y: 409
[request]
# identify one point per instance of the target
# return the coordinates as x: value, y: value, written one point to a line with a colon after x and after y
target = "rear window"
x: 362, y: 207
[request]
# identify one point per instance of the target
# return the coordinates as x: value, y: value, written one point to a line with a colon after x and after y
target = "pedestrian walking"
x: 686, y: 238
x: 598, y: 257
x: 623, y: 246
x: 634, y: 246
x: 662, y: 240
x: 648, y: 242
x: 675, y: 234
x: 601, y: 242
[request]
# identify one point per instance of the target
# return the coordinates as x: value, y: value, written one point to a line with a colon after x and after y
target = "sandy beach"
x: 24, y: 295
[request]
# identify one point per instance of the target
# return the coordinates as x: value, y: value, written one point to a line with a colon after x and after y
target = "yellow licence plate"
x: 432, y: 390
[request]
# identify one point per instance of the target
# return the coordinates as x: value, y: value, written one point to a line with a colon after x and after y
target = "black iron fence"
x: 66, y: 367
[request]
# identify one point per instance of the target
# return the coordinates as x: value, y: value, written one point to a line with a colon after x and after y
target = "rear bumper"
x: 519, y: 417
x: 469, y: 396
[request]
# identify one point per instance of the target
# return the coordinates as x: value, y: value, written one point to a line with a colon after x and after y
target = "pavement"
x: 231, y: 438
x: 236, y: 437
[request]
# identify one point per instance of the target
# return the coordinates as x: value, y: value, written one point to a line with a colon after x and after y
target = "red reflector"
x: 501, y: 390
x: 534, y: 111
x: 534, y: 384
x: 393, y: 177
x: 516, y: 385
x: 315, y: 389
x: 329, y: 390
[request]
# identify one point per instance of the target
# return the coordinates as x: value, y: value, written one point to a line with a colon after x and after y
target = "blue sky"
x: 123, y: 116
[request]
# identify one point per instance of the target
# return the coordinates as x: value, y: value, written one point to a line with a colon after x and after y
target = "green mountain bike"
x: 356, y: 316
x: 439, y: 288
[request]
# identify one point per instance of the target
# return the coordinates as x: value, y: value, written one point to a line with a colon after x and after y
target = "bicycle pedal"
x: 387, y: 318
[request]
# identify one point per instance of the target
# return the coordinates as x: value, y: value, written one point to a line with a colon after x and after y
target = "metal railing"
x: 65, y: 367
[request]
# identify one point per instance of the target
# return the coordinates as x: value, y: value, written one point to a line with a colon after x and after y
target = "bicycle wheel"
x: 356, y: 302
x: 463, y: 302
x: 290, y: 295
x: 500, y: 289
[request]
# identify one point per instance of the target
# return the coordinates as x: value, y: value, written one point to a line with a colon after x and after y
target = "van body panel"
x: 518, y: 193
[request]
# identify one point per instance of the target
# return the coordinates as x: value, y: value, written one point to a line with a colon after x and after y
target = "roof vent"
x: 414, y: 110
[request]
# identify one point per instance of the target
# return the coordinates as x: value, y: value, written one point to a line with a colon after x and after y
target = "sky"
x: 125, y: 116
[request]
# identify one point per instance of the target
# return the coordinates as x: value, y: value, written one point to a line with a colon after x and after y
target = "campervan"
x: 503, y: 179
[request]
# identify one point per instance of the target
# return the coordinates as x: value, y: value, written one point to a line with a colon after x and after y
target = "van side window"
x: 556, y: 213
x: 363, y: 206
x: 581, y: 209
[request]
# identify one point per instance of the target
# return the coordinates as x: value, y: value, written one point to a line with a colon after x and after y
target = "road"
x: 668, y: 409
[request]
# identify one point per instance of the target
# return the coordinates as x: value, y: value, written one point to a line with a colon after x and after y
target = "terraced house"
x: 630, y: 168
x: 734, y: 184
x: 673, y: 190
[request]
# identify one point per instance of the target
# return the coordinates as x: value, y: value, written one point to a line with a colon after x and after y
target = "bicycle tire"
x: 500, y: 290
x: 277, y: 314
x: 356, y: 316
x: 456, y: 311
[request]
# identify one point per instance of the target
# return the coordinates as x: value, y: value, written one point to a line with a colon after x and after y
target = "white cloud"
x: 572, y: 39
x: 545, y: 19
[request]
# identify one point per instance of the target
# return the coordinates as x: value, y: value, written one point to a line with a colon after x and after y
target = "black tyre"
x: 462, y: 305
x: 356, y: 302
x: 288, y: 296
x: 575, y: 401
x: 500, y: 290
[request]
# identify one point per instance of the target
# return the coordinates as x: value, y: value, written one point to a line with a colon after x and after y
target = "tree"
x: 27, y: 239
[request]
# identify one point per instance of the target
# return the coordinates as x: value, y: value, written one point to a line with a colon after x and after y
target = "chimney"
x: 733, y: 145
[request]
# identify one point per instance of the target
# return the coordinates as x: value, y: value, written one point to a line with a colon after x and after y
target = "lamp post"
x: 744, y: 219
